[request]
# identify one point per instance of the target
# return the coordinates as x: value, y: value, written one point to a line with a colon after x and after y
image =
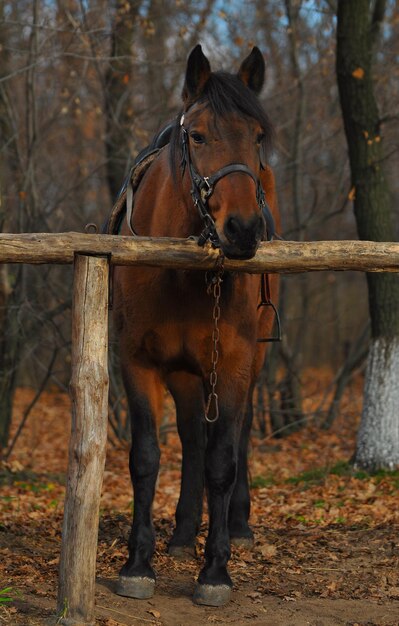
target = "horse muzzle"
x: 241, y: 237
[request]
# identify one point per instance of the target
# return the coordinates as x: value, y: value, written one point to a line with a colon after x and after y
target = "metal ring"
x: 91, y: 228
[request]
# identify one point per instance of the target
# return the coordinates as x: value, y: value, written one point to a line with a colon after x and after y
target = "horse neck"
x: 164, y: 206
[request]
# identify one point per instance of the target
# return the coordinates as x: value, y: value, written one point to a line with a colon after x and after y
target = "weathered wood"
x: 278, y: 256
x: 89, y: 394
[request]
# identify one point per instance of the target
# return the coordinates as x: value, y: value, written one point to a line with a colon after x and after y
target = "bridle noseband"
x: 202, y: 187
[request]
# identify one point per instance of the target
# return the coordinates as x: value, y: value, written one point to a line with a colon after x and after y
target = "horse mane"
x: 225, y: 93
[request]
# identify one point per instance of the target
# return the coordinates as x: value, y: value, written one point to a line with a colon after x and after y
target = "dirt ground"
x: 326, y: 537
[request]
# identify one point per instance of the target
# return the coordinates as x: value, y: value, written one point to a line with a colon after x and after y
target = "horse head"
x: 225, y: 134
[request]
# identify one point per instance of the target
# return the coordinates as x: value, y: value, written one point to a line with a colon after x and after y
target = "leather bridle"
x: 202, y: 187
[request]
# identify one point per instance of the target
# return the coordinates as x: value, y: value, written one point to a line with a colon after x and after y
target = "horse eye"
x: 197, y: 138
x: 260, y: 137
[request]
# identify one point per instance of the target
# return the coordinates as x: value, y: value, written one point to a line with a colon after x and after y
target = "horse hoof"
x: 182, y: 553
x: 140, y: 587
x: 242, y: 542
x: 212, y: 595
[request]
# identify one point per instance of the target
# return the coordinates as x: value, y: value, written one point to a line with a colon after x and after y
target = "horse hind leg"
x: 145, y: 394
x: 239, y: 529
x: 214, y: 582
x: 187, y: 392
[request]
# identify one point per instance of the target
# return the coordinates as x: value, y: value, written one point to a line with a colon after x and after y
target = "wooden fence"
x: 92, y: 256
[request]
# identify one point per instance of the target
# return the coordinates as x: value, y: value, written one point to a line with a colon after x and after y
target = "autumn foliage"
x: 322, y: 530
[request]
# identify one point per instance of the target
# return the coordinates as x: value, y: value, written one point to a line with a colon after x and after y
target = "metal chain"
x: 214, y: 287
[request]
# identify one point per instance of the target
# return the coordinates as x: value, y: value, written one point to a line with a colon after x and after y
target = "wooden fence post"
x: 89, y: 394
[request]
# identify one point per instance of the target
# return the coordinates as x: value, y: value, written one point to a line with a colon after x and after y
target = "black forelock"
x: 226, y: 93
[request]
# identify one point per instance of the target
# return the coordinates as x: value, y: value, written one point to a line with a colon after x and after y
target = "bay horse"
x: 211, y: 181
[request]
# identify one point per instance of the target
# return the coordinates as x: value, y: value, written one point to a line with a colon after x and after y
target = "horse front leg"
x: 137, y: 577
x: 187, y: 392
x: 240, y: 504
x: 214, y: 582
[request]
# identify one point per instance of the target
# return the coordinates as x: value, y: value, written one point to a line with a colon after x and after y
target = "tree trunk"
x: 291, y: 355
x: 9, y: 353
x: 378, y: 436
x: 118, y: 95
x: 9, y: 336
x: 357, y: 30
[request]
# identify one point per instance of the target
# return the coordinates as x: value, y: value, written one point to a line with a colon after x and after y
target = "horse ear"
x: 252, y: 70
x: 197, y: 73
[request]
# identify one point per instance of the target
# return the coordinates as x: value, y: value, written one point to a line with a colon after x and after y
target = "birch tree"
x: 358, y: 28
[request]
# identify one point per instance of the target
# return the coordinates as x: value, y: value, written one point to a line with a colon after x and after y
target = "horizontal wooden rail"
x: 278, y: 256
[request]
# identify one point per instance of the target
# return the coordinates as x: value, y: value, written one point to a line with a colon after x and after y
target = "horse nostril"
x: 244, y: 235
x: 232, y: 228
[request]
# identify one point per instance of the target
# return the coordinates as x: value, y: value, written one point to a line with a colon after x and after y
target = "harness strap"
x: 129, y: 207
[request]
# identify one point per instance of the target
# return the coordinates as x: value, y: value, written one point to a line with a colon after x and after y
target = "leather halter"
x: 202, y: 188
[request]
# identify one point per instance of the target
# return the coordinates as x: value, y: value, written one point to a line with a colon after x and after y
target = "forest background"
x: 83, y: 87
x: 84, y: 84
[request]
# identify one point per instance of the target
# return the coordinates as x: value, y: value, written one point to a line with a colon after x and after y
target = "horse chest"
x: 173, y: 347
x: 169, y: 320
x: 175, y: 344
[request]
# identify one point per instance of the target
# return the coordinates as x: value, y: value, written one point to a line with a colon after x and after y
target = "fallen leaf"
x: 358, y: 73
x: 268, y: 550
x: 393, y: 592
x: 15, y: 467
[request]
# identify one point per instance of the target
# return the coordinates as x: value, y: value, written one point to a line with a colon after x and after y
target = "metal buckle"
x: 205, y: 192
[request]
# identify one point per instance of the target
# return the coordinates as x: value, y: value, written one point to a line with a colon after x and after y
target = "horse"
x: 210, y: 181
